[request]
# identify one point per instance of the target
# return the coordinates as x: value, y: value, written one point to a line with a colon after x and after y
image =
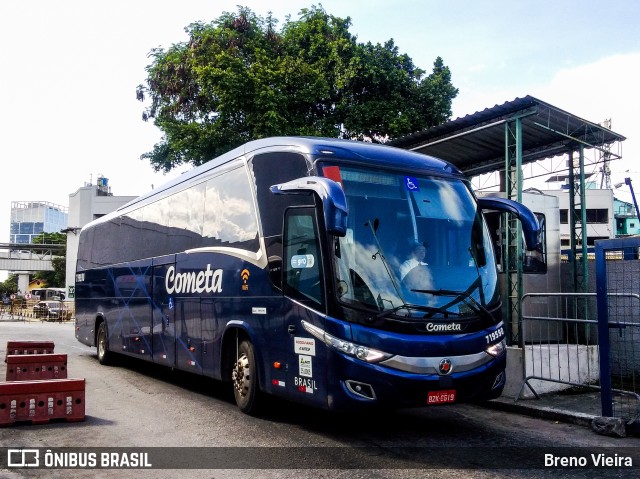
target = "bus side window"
x: 302, y: 267
x: 270, y: 169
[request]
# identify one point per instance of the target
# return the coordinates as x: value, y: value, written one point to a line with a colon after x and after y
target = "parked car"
x: 52, y: 310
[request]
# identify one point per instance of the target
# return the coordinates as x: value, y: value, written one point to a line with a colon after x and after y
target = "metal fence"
x: 619, y: 327
x: 24, y: 310
x: 560, y: 345
x: 558, y: 342
x: 589, y: 340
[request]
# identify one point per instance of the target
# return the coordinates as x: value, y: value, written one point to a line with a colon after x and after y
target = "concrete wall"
x: 559, y: 364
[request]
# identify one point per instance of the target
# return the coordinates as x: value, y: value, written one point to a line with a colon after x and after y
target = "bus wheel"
x: 104, y: 356
x: 244, y: 375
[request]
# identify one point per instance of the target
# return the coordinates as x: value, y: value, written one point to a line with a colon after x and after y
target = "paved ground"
x: 575, y: 406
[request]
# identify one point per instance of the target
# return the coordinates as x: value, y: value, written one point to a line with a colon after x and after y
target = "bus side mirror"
x: 334, y: 202
x: 530, y: 226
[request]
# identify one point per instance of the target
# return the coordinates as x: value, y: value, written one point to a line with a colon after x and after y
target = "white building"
x: 85, y: 205
x: 600, y: 215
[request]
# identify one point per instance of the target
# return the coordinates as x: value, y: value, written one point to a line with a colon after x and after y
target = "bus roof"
x: 373, y: 154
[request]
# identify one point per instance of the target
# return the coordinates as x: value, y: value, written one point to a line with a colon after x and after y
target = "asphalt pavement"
x: 575, y: 406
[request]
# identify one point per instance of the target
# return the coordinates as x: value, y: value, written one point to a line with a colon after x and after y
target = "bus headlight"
x: 363, y: 353
x: 497, y: 349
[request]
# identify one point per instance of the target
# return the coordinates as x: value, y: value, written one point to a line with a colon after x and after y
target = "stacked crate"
x: 37, y: 388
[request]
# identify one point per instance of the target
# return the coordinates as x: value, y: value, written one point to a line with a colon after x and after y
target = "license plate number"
x: 441, y: 397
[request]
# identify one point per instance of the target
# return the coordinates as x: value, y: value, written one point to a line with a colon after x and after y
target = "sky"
x: 69, y: 71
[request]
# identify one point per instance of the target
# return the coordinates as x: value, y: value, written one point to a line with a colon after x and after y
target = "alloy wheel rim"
x: 241, y: 377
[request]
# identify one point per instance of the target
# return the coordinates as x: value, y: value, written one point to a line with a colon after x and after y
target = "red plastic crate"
x: 32, y: 367
x: 29, y: 347
x: 41, y: 401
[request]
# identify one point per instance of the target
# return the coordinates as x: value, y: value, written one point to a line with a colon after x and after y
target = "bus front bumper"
x: 372, y: 385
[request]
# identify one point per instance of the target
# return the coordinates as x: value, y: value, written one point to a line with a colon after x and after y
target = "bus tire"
x: 104, y: 355
x: 244, y: 376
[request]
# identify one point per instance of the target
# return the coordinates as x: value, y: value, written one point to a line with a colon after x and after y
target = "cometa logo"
x: 439, y: 328
x: 244, y: 274
x: 206, y: 281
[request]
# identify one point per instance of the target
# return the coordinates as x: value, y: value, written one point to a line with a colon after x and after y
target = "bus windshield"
x: 415, y: 247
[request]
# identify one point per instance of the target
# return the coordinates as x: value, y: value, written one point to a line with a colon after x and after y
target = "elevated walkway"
x: 28, y: 257
x: 28, y: 265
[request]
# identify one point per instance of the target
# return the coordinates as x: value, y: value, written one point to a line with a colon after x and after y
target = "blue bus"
x: 334, y: 273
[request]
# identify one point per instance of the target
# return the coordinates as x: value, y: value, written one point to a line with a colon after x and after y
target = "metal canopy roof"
x: 475, y: 143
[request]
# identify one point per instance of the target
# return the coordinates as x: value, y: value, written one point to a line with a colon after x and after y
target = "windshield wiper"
x: 464, y: 296
x: 373, y: 225
x: 430, y: 310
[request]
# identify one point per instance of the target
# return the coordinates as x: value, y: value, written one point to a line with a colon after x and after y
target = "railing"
x: 557, y: 347
x: 563, y: 349
x: 24, y: 310
x: 619, y: 328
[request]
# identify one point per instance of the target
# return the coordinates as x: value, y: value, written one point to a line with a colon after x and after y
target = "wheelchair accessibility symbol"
x: 411, y: 183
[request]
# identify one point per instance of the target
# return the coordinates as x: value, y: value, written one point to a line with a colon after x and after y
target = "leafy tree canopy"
x: 9, y: 286
x: 240, y: 78
x: 55, y: 278
x: 50, y: 238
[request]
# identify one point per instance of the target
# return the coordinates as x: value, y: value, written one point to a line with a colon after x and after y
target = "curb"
x: 542, y: 412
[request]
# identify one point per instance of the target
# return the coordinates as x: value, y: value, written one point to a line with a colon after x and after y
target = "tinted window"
x: 593, y: 215
x: 302, y: 265
x: 564, y: 218
x: 218, y: 212
x: 271, y: 169
x: 229, y: 213
x: 107, y: 243
x: 26, y: 228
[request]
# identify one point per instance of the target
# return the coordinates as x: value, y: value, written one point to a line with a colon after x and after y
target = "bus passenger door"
x: 189, y: 335
x: 164, y: 330
x: 303, y: 285
x: 132, y: 288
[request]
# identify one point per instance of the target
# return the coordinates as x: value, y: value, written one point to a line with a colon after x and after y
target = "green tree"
x: 240, y: 78
x: 10, y: 285
x: 55, y: 278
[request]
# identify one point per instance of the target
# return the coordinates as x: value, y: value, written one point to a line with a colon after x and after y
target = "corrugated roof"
x: 475, y: 143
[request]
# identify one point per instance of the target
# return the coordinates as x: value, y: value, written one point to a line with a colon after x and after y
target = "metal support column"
x: 513, y: 234
x: 577, y: 222
x: 578, y: 229
x: 603, y: 331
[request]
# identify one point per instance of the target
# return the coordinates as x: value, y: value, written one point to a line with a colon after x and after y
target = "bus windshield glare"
x: 415, y: 246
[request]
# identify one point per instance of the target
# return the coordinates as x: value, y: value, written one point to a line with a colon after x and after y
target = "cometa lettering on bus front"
x: 433, y: 327
x: 205, y: 281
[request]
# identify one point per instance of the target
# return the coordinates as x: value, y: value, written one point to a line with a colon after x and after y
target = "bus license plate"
x: 441, y: 397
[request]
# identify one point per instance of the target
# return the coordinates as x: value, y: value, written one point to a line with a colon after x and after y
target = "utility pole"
x: 627, y: 181
x: 605, y: 155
